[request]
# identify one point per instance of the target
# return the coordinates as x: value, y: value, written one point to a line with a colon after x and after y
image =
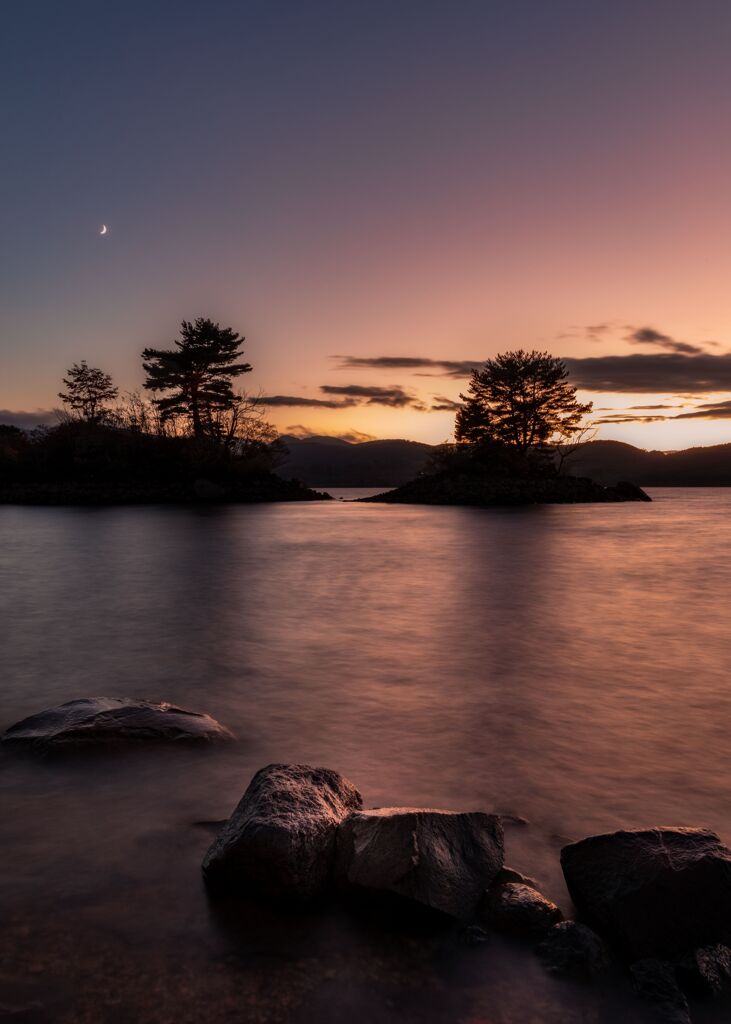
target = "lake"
x: 570, y: 665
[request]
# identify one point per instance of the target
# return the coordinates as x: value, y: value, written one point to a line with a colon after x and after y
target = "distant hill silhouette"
x: 336, y: 463
x: 332, y: 462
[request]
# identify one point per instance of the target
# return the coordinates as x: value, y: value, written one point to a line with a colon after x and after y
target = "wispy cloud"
x: 442, y: 404
x: 709, y: 411
x: 394, y: 396
x: 651, y: 336
x: 352, y: 436
x: 437, y: 367
x: 294, y: 401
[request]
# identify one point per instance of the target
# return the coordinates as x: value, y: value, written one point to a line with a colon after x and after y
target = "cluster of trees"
x: 187, y: 424
x: 192, y: 385
x: 520, y: 415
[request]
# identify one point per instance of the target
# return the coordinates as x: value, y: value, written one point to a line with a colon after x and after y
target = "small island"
x: 515, y: 433
x: 196, y: 440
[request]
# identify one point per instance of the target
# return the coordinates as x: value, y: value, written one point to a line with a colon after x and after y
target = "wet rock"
x: 439, y: 859
x: 519, y: 909
x: 656, y: 892
x: 706, y: 970
x: 108, y: 720
x: 280, y: 840
x: 655, y: 982
x: 574, y: 949
x: 506, y: 874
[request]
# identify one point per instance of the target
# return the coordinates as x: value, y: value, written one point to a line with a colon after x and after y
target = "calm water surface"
x: 570, y: 665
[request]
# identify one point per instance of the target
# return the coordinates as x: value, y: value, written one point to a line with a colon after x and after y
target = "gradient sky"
x: 437, y: 181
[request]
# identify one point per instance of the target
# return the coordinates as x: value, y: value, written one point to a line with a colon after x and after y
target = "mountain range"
x: 332, y: 462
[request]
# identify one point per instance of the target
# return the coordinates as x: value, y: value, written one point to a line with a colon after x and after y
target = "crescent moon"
x: 104, y: 229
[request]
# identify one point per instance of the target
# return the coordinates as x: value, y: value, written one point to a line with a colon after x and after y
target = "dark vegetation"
x: 195, y: 440
x: 515, y: 433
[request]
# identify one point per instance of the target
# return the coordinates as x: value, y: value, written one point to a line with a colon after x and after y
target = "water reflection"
x: 565, y: 664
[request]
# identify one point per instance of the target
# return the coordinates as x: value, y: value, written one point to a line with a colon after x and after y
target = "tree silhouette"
x: 88, y: 392
x: 522, y: 401
x: 197, y: 373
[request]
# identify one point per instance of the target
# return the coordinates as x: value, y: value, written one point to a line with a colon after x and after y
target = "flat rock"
x: 572, y: 948
x: 658, y: 892
x: 443, y: 860
x: 279, y: 842
x: 519, y: 909
x: 107, y: 720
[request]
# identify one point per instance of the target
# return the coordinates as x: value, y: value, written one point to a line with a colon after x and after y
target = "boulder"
x: 519, y: 909
x: 507, y: 874
x: 574, y: 949
x: 655, y: 982
x: 442, y: 860
x: 706, y: 970
x: 109, y: 720
x: 279, y: 843
x: 657, y: 892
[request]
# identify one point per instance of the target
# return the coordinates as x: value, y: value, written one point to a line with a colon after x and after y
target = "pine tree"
x: 521, y: 400
x: 197, y: 374
x: 89, y: 390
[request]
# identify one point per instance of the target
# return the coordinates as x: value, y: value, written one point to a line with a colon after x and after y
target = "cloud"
x: 438, y: 367
x: 352, y: 436
x: 442, y: 404
x: 623, y: 418
x: 298, y: 400
x: 650, y: 336
x: 660, y: 406
x: 395, y: 396
x: 661, y: 372
x: 709, y: 411
x: 27, y: 420
x: 671, y: 372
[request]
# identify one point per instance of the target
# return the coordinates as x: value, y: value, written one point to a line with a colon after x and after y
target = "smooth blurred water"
x: 569, y: 664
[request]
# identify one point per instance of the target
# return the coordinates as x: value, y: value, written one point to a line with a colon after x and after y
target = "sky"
x: 377, y: 194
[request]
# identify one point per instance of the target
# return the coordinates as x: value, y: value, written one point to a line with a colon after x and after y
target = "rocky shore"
x: 655, y: 901
x: 483, y: 490
x: 653, y: 904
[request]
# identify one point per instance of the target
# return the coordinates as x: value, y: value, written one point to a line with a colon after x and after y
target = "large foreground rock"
x: 108, y: 720
x: 280, y: 840
x: 657, y: 892
x: 443, y: 860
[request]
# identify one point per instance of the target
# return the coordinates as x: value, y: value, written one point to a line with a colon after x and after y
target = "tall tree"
x: 89, y: 391
x: 522, y: 400
x: 197, y: 374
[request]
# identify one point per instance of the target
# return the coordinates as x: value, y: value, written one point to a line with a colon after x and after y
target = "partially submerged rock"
x: 443, y: 860
x: 656, y: 892
x: 519, y: 909
x: 280, y: 840
x: 572, y: 948
x: 109, y: 720
x: 655, y: 982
